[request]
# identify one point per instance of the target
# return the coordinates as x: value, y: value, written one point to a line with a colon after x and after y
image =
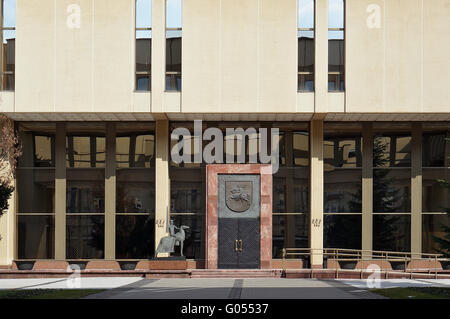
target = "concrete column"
x: 162, y: 181
x: 110, y: 192
x: 158, y: 54
x: 321, y: 56
x: 367, y: 189
x: 60, y: 191
x: 316, y: 193
x: 416, y: 190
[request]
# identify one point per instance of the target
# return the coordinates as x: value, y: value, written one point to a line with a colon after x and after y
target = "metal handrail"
x: 344, y: 254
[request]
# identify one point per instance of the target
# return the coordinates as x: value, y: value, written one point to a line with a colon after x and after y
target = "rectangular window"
x: 173, y: 45
x: 143, y: 45
x: 187, y: 202
x: 8, y: 35
x: 342, y: 231
x: 35, y: 186
x: 392, y: 150
x: 135, y: 150
x: 85, y: 151
x: 135, y: 191
x: 305, y: 32
x: 290, y: 193
x: 336, y: 46
x: 392, y: 233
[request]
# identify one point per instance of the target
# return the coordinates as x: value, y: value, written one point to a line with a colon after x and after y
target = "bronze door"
x: 239, y: 222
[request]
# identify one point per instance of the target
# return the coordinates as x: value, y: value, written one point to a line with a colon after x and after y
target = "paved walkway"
x: 265, y: 288
x: 261, y: 288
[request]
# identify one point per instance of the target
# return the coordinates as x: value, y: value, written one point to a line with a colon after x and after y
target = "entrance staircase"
x: 236, y: 273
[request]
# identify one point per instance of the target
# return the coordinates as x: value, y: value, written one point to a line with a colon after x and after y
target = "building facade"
x: 358, y: 90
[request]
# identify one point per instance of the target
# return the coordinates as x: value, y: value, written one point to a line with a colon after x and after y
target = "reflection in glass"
x: 433, y: 149
x: 85, y: 191
x: 44, y: 151
x: 392, y: 233
x: 194, y: 235
x: 135, y: 191
x: 282, y: 148
x: 173, y: 60
x: 135, y: 150
x: 173, y: 13
x: 36, y: 237
x: 36, y: 191
x: 173, y: 44
x: 342, y: 231
x: 186, y: 197
x: 335, y: 13
x: 143, y: 60
x: 187, y: 207
x: 301, y: 148
x: 432, y: 228
x: 336, y: 46
x: 291, y: 190
x: 343, y: 191
x: 9, y: 60
x: 8, y: 34
x: 306, y: 45
x: 336, y: 61
x: 85, y: 151
x: 435, y: 197
x: 342, y: 151
x: 135, y: 236
x: 186, y: 189
x: 143, y: 13
x: 391, y: 191
x: 289, y: 231
x: 306, y: 61
x: 85, y: 237
x: 185, y: 148
x: 392, y: 150
x: 305, y: 14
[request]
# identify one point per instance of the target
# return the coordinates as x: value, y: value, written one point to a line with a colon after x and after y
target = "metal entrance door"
x: 239, y: 221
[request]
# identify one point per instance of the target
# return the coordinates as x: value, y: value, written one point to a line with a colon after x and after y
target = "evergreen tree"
x: 385, y: 199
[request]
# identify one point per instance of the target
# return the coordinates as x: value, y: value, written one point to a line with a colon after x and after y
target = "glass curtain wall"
x: 392, y: 187
x: 342, y: 185
x: 435, y: 197
x: 85, y: 191
x: 135, y: 192
x: 36, y: 192
x: 290, y: 220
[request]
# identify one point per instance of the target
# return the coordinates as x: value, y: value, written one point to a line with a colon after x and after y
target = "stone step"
x: 238, y: 273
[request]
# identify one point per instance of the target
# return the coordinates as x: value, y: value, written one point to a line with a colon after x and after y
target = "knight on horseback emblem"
x: 238, y: 195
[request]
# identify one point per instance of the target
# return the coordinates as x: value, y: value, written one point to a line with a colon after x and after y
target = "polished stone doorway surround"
x: 212, y: 173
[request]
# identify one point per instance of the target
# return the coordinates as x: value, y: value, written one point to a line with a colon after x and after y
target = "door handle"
x: 236, y: 245
x: 240, y: 242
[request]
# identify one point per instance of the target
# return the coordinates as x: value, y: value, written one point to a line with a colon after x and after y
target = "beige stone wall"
x: 62, y: 69
x: 238, y: 56
x: 401, y: 66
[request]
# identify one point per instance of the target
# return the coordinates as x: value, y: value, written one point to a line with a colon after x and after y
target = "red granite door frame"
x: 212, y: 172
